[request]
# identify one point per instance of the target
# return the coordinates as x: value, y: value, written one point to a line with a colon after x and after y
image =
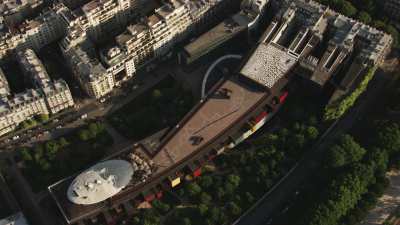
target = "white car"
x: 16, y: 137
x: 84, y: 116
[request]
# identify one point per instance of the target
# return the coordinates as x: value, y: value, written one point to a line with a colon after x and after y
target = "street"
x: 69, y: 120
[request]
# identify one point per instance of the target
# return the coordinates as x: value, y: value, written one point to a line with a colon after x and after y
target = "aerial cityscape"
x: 199, y: 112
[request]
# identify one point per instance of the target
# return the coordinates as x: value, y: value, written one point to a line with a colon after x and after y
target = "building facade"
x: 15, y: 11
x: 151, y: 38
x: 37, y: 33
x: 47, y: 97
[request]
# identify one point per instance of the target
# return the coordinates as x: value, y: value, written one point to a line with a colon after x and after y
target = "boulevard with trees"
x: 354, y: 173
x: 349, y: 184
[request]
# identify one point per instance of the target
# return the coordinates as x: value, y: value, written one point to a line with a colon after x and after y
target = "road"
x: 70, y: 119
x: 276, y: 199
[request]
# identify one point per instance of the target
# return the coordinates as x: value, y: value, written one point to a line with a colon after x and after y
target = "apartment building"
x: 392, y: 9
x: 36, y: 33
x: 137, y: 41
x: 354, y: 45
x: 33, y: 68
x: 151, y: 38
x: 19, y: 108
x: 87, y: 69
x: 47, y: 97
x: 118, y: 64
x: 4, y: 87
x: 58, y: 96
x: 15, y: 11
x: 170, y: 24
x: 100, y: 18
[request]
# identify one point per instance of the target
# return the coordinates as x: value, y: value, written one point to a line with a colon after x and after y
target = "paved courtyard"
x: 388, y: 203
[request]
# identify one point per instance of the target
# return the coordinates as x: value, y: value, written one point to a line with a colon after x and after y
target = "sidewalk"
x: 388, y: 203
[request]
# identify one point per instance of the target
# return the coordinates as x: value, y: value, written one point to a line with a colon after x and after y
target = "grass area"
x: 51, y: 161
x: 160, y: 107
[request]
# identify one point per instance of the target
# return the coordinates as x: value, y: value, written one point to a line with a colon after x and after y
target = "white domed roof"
x: 100, y: 182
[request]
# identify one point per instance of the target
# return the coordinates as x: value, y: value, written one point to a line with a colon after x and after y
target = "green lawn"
x: 160, y: 107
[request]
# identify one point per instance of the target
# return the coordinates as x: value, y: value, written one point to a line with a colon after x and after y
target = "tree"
x: 249, y: 197
x: 51, y: 149
x: 26, y: 155
x: 364, y: 17
x: 163, y: 207
x: 83, y: 135
x: 229, y: 188
x: 234, y: 180
x: 206, y: 182
x: 353, y: 150
x: 43, y: 118
x: 336, y: 158
x: 312, y: 133
x: 389, y: 138
x: 214, y: 214
x: 234, y: 209
x: 205, y: 198
x: 342, y: 195
x: 193, y: 189
x: 336, y: 109
x: 24, y: 124
x: 186, y: 221
x: 62, y: 142
x: 44, y: 164
x: 347, y: 151
x: 203, y: 209
x: 38, y: 150
x: 220, y: 193
x: 348, y: 9
x: 95, y: 129
x: 156, y: 94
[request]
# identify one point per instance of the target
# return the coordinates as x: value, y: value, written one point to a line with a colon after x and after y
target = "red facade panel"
x: 159, y: 195
x: 149, y: 197
x: 283, y: 97
x: 261, y: 116
x: 197, y: 172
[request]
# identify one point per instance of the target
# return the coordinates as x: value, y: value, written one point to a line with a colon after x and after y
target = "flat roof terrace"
x: 222, y: 109
x: 219, y: 34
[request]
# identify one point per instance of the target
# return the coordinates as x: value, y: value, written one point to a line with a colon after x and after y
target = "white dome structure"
x: 100, y: 182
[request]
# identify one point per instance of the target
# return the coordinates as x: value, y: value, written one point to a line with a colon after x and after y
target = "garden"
x: 53, y: 160
x: 158, y: 108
